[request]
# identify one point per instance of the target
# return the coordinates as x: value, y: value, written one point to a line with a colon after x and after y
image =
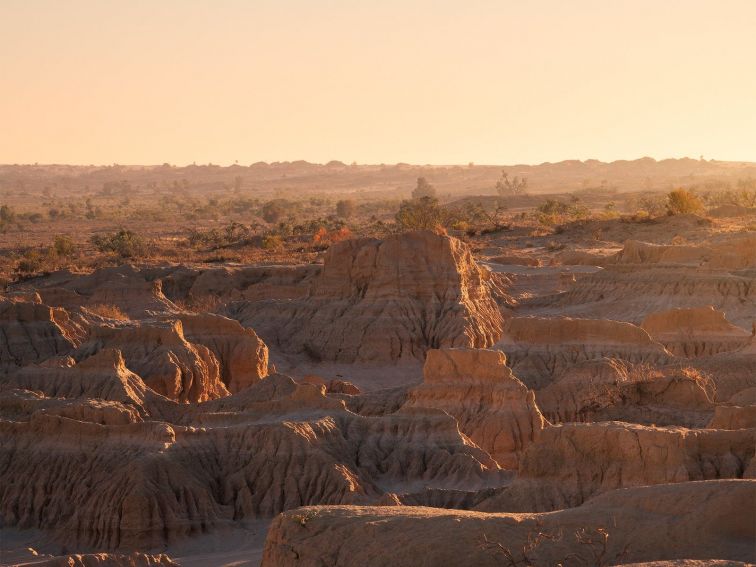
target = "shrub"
x: 31, y: 262
x: 7, y: 215
x: 274, y: 211
x: 681, y: 202
x: 345, y: 208
x: 423, y: 213
x: 651, y: 205
x: 423, y: 189
x: 64, y: 246
x: 124, y: 243
x: 272, y: 242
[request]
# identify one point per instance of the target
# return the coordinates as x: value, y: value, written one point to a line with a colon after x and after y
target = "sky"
x: 375, y: 81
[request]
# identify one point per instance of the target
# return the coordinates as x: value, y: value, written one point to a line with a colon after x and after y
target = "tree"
x: 345, y: 208
x: 422, y: 213
x: 514, y: 186
x: 423, y: 189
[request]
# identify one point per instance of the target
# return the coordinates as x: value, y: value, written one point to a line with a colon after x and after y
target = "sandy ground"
x: 368, y: 378
x: 234, y: 547
x: 228, y: 548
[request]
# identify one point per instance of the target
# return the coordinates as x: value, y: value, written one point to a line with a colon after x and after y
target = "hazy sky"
x: 153, y: 81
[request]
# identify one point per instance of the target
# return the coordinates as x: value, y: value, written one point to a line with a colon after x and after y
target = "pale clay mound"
x: 695, y: 520
x: 617, y: 398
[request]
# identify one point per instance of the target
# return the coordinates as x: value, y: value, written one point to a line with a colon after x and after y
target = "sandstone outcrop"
x: 273, y: 446
x: 32, y: 332
x: 734, y: 417
x: 384, y: 301
x: 695, y: 332
x: 611, y: 390
x: 629, y: 292
x: 159, y: 353
x: 540, y: 349
x: 611, y: 455
x: 103, y: 376
x: 697, y: 520
x: 242, y: 355
x: 123, y: 287
x: 493, y: 408
x: 731, y: 253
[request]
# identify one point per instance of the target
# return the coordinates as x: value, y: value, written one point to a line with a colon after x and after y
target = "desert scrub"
x: 272, y: 242
x: 681, y: 202
x: 124, y: 243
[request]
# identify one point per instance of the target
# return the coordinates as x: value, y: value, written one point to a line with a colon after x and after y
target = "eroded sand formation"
x: 610, y: 422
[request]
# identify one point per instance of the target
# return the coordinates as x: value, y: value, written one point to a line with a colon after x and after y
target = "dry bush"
x: 681, y: 202
x: 109, y: 311
x: 633, y: 372
x: 702, y: 379
x: 424, y: 213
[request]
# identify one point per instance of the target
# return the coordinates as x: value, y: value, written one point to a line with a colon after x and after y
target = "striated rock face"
x: 611, y: 455
x: 161, y: 355
x: 123, y: 286
x: 627, y: 292
x: 695, y: 332
x: 696, y: 520
x: 732, y: 372
x: 734, y: 253
x: 734, y: 417
x: 250, y: 283
x: 242, y: 355
x: 100, y: 379
x: 540, y: 349
x: 32, y: 332
x: 273, y: 446
x: 611, y: 390
x: 383, y: 301
x: 493, y: 408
